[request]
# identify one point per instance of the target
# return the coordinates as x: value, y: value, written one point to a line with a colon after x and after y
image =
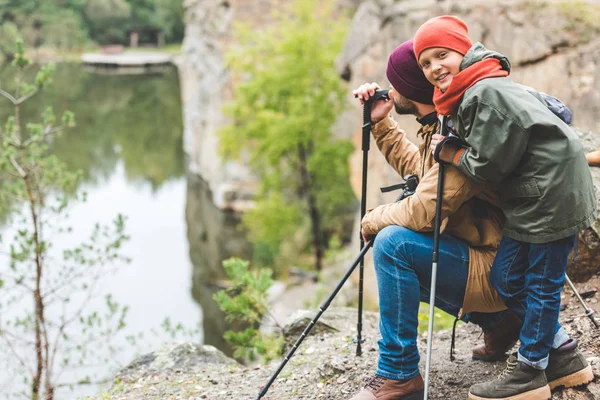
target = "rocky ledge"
x: 325, y: 366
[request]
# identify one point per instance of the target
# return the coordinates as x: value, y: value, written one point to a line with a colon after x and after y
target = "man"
x: 471, y: 231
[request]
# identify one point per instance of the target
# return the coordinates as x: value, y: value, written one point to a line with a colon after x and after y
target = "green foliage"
x: 582, y: 17
x: 286, y: 98
x: 49, y: 287
x: 245, y: 301
x: 270, y: 223
x: 441, y: 319
x: 73, y: 24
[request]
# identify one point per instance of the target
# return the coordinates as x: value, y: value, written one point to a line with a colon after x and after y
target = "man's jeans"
x: 529, y: 278
x: 402, y: 261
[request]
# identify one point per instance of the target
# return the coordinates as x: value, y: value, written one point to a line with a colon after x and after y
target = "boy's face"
x: 439, y: 65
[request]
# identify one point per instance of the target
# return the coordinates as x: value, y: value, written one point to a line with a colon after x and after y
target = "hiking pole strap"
x: 312, y: 323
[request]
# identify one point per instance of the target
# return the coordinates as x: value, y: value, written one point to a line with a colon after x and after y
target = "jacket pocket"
x: 527, y: 188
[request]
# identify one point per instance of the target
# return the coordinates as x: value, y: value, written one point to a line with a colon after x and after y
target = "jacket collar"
x: 429, y: 119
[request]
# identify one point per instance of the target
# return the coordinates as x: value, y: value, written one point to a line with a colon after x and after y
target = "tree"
x: 57, y: 331
x: 286, y: 98
x: 106, y: 19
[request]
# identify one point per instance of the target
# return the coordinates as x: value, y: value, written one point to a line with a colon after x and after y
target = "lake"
x: 128, y: 144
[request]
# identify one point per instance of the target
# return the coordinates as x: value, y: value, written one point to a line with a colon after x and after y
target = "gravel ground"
x: 325, y: 366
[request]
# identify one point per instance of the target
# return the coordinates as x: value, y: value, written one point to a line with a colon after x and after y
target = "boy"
x: 507, y: 138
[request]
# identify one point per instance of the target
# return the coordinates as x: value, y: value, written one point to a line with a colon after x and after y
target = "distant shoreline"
x: 44, y: 55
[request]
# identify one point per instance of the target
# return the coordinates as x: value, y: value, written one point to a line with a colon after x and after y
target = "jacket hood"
x: 479, y: 52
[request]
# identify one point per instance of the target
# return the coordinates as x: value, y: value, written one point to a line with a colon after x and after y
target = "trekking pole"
x: 588, y: 311
x: 366, y: 140
x: 409, y: 188
x: 312, y: 323
x: 434, y: 263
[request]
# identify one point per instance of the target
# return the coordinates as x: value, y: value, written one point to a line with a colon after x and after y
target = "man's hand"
x: 448, y: 149
x: 381, y: 108
x: 366, y: 237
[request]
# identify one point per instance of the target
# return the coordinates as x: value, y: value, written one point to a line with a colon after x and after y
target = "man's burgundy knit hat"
x: 406, y: 76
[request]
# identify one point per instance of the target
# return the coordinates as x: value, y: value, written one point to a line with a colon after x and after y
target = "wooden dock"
x: 127, y: 59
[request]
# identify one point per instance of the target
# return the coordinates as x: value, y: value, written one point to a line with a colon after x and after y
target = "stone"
x: 177, y: 356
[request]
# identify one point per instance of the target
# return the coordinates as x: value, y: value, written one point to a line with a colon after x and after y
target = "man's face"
x: 440, y: 65
x: 402, y: 105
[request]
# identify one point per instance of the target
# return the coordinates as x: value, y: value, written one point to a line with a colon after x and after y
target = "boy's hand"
x: 381, y: 108
x: 447, y: 150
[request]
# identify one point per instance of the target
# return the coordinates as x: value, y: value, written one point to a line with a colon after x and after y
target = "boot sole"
x: 542, y: 393
x: 578, y: 378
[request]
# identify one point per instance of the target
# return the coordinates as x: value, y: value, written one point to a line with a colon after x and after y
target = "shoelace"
x: 511, y: 364
x: 375, y: 382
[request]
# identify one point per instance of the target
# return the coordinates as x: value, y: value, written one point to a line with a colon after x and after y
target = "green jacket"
x: 528, y: 154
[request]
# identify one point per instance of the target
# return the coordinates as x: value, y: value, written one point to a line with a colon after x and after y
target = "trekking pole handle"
x: 367, y: 123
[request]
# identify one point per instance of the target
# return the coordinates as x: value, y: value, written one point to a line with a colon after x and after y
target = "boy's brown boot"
x: 499, y: 340
x: 568, y: 367
x: 518, y: 381
x: 593, y: 158
x: 380, y: 388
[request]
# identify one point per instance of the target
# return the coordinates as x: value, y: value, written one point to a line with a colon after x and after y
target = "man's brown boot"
x: 499, y: 340
x: 380, y: 388
x: 593, y: 158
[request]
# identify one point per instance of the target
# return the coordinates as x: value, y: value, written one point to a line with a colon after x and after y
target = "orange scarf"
x: 446, y: 102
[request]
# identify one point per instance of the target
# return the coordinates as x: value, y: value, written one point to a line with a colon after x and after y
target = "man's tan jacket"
x: 465, y: 213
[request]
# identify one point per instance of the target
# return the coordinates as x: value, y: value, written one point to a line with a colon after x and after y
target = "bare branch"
x: 22, y: 172
x: 16, y: 355
x: 26, y: 97
x: 48, y: 130
x: 8, y: 96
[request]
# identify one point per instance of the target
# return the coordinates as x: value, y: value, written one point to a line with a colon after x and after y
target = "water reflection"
x: 133, y: 118
x: 128, y: 144
x: 213, y: 236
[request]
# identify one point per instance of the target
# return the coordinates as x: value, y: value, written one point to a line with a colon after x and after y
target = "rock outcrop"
x: 553, y: 46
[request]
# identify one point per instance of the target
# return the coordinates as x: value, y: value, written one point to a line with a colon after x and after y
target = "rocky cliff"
x: 553, y: 46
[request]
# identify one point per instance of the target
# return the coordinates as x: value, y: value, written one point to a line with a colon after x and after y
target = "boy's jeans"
x: 529, y: 278
x: 402, y: 261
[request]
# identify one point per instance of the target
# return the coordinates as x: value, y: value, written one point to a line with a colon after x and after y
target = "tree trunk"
x: 41, y: 361
x: 315, y: 218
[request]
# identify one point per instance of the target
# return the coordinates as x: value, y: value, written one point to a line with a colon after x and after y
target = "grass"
x: 441, y: 319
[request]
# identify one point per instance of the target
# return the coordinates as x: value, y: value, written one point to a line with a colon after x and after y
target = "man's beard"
x: 405, y: 107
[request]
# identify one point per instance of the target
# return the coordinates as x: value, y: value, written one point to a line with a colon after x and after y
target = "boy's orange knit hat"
x: 445, y: 31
